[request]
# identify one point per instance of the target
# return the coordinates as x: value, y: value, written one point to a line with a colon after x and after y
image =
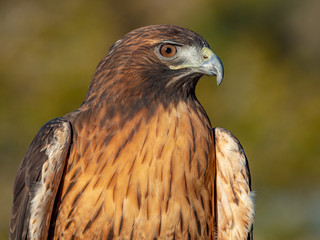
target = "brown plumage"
x: 139, y: 158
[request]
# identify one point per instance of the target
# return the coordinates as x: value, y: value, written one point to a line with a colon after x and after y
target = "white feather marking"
x: 235, y: 205
x: 42, y: 203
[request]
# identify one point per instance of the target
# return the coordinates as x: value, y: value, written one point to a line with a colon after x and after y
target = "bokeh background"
x: 270, y: 97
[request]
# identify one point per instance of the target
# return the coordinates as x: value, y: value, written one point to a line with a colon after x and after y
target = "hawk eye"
x: 168, y: 50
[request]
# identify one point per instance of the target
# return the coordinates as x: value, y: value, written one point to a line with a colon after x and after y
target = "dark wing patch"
x: 38, y: 180
x: 235, y: 207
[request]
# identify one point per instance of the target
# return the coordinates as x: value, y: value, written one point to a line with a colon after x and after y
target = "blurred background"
x: 270, y: 97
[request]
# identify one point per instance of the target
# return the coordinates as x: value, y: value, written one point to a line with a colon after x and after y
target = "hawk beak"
x: 212, y: 65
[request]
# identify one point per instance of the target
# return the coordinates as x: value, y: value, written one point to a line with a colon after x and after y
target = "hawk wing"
x: 234, y: 199
x: 38, y: 180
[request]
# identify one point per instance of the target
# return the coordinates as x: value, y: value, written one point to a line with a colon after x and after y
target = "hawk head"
x: 157, y: 63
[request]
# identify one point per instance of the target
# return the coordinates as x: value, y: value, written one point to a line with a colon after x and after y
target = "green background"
x: 270, y: 96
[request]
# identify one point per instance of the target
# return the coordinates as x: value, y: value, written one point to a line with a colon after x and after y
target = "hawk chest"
x: 147, y: 178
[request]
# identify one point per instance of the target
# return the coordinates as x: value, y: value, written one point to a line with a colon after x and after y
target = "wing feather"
x: 38, y: 180
x: 235, y: 207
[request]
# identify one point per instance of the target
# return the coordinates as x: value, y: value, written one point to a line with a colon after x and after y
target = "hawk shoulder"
x: 235, y: 207
x: 38, y: 180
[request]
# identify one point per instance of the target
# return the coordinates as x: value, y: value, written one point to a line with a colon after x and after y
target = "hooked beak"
x: 212, y: 65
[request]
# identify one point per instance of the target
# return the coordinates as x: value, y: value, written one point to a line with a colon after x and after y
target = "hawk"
x: 139, y: 158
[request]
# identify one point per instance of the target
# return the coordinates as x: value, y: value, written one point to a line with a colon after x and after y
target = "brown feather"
x: 145, y: 203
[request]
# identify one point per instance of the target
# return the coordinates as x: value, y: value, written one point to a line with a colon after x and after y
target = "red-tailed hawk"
x: 139, y: 158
